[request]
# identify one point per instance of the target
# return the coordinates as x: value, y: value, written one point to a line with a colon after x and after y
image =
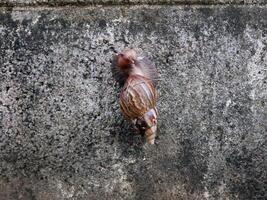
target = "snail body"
x: 138, y: 96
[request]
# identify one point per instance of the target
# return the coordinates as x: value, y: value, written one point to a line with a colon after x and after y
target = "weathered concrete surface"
x: 125, y: 2
x: 62, y: 134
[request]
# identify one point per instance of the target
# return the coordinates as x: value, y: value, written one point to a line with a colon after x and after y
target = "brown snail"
x: 138, y: 97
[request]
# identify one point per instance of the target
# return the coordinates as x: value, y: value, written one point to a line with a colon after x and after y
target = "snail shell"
x: 138, y: 103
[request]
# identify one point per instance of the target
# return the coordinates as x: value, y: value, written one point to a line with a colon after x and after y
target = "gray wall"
x: 127, y: 2
x: 62, y: 135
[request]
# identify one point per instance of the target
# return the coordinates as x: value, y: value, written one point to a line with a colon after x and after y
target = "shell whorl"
x: 137, y: 97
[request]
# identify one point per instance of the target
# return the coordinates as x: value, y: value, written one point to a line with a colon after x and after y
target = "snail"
x: 138, y: 97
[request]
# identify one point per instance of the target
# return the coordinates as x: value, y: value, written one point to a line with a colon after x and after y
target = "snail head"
x: 126, y: 59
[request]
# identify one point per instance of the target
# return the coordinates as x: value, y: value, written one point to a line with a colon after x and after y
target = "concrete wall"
x: 62, y: 135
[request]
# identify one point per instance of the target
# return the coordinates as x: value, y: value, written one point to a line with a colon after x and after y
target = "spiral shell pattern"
x: 137, y: 97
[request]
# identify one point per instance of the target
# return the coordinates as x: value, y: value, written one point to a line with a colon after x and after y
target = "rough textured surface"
x: 62, y: 135
x: 124, y: 2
